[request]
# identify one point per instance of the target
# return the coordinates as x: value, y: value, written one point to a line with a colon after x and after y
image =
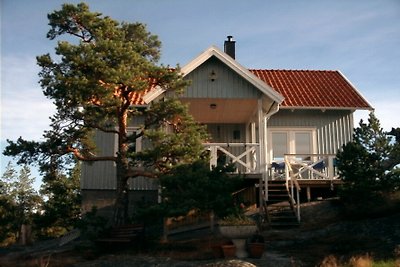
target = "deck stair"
x: 281, y: 212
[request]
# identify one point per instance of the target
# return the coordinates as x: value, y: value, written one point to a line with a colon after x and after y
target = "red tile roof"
x: 313, y: 89
x: 137, y: 98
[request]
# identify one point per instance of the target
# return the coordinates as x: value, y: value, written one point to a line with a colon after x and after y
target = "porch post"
x: 262, y: 156
x: 253, y: 132
x: 213, y: 156
x: 331, y: 168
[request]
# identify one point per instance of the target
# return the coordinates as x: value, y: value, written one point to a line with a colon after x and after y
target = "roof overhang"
x: 213, y: 51
x: 359, y: 93
x: 153, y: 94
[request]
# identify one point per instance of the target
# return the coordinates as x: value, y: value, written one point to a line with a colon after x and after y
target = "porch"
x: 304, y: 168
x: 303, y: 177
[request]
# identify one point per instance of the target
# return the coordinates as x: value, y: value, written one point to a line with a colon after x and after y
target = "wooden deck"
x: 319, y: 183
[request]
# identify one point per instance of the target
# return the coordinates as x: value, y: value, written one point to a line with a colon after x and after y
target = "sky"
x: 360, y: 38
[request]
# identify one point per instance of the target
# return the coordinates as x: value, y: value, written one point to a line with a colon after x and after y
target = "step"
x: 292, y: 221
x: 275, y: 200
x: 278, y: 203
x: 284, y: 225
x: 278, y: 197
x: 276, y: 184
x: 283, y: 215
x: 283, y: 212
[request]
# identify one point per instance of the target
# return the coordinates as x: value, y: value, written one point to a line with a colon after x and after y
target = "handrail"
x: 290, y: 172
x: 308, y: 166
x: 293, y: 184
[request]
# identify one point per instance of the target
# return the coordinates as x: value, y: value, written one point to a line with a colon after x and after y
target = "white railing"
x: 306, y: 166
x: 245, y: 156
x: 312, y: 166
x: 292, y: 186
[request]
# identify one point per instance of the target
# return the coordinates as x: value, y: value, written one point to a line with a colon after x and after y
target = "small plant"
x: 235, y: 219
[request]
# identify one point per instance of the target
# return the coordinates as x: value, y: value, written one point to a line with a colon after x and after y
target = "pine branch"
x: 82, y: 157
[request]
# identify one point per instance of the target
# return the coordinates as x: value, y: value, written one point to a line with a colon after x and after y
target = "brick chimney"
x: 229, y: 46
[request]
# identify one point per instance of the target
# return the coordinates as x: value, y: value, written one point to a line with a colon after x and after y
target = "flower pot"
x: 229, y: 251
x: 256, y: 250
x: 238, y: 234
x: 237, y: 231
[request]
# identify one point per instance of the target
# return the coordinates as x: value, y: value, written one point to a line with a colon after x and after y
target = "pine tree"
x: 61, y: 207
x: 369, y: 165
x: 20, y: 198
x: 7, y: 204
x: 94, y: 82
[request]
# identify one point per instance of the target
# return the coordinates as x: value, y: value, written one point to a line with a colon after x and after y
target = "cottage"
x: 274, y: 125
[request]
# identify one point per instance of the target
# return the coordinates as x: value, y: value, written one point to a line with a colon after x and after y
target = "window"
x: 139, y: 141
x: 279, y: 145
x: 302, y: 142
x: 291, y: 141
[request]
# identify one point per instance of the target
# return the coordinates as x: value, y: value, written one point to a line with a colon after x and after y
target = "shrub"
x: 369, y: 167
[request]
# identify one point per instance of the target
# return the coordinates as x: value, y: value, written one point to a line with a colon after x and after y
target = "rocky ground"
x: 323, y: 239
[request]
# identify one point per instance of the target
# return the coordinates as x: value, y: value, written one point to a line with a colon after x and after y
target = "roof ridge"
x: 293, y: 70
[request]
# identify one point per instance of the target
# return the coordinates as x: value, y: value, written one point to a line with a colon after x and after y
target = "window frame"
x: 291, y: 141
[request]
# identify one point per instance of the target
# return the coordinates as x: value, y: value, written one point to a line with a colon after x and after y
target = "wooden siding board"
x: 223, y: 133
x: 228, y: 84
x: 99, y: 175
x: 102, y: 175
x: 332, y: 127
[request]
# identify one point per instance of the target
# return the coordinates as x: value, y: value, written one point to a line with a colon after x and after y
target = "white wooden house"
x: 273, y: 124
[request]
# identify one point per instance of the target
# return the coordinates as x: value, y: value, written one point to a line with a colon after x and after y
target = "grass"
x: 389, y: 263
x: 359, y: 261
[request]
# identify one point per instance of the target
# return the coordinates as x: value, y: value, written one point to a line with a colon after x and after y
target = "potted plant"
x: 228, y: 250
x: 256, y: 246
x: 238, y: 228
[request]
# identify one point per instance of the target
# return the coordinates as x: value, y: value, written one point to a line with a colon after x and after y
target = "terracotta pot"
x: 256, y: 250
x: 229, y: 251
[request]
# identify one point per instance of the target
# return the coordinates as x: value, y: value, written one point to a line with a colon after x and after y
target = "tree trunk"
x: 122, y: 193
x: 122, y: 197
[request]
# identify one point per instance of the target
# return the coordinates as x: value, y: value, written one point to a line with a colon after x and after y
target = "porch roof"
x: 322, y: 89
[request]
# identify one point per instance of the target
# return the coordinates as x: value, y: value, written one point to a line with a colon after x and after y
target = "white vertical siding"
x: 333, y: 128
x: 102, y: 174
x: 228, y: 84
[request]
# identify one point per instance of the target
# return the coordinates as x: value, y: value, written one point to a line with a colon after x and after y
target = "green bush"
x: 369, y: 168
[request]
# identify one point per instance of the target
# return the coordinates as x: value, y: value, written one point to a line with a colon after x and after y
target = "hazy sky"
x: 361, y: 38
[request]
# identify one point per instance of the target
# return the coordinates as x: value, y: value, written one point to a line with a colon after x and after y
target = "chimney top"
x: 229, y: 46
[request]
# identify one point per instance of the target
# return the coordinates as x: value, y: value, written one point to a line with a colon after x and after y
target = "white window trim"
x: 291, y: 132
